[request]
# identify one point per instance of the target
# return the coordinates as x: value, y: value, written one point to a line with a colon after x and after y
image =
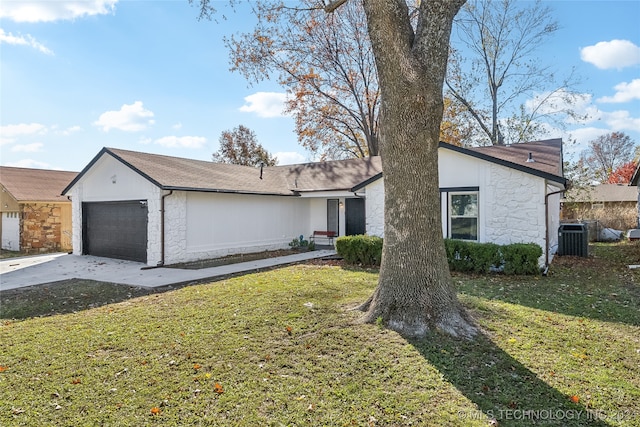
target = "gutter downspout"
x: 161, y: 263
x: 546, y: 227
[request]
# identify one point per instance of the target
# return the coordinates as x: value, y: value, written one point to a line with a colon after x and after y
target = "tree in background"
x: 623, y: 174
x: 607, y: 153
x: 241, y: 147
x: 324, y: 61
x: 493, y: 67
x: 415, y: 293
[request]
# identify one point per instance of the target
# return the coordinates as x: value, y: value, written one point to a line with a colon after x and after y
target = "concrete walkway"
x: 36, y: 270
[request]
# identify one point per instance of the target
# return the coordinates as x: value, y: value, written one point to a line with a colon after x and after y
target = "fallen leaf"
x: 155, y: 410
x: 289, y: 330
x: 217, y: 387
x: 196, y: 366
x: 76, y: 381
x: 3, y: 368
x: 575, y: 398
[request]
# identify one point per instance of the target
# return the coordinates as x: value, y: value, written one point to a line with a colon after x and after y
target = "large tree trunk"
x: 415, y: 293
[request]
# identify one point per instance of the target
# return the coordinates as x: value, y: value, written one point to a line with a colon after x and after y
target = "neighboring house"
x: 612, y: 205
x: 165, y: 210
x: 36, y: 218
x: 635, y: 181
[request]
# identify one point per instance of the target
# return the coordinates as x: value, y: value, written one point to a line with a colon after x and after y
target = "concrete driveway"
x: 36, y: 270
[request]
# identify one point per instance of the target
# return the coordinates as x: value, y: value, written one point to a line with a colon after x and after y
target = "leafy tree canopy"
x: 240, y: 147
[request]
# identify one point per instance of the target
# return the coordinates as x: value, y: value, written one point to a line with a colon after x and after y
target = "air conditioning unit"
x: 573, y: 239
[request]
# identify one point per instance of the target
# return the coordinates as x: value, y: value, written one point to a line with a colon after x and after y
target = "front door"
x: 355, y: 218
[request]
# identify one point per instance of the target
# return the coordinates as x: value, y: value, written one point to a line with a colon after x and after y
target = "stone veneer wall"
x: 42, y: 228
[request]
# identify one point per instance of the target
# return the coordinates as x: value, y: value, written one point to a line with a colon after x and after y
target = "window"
x: 463, y: 216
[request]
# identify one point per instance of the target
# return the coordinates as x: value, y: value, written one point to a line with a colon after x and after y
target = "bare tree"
x: 415, y: 293
x: 607, y: 153
x: 494, y: 66
x: 241, y: 147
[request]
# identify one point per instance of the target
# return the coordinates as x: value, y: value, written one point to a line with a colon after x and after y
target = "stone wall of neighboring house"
x: 45, y: 227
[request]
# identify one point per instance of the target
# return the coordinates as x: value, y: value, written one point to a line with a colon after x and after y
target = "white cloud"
x: 177, y: 126
x: 30, y: 163
x: 625, y: 92
x: 11, y: 131
x: 621, y: 120
x: 73, y: 129
x: 28, y: 148
x: 130, y: 118
x: 562, y: 101
x: 613, y: 54
x: 182, y: 141
x: 265, y: 104
x: 289, y: 158
x: 27, y: 40
x: 49, y: 11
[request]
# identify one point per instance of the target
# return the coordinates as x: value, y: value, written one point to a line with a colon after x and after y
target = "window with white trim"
x: 463, y: 216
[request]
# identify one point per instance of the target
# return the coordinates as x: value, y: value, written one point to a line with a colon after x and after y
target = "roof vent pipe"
x: 530, y: 159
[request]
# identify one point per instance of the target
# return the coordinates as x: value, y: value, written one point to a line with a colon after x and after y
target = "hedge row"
x: 516, y: 258
x: 360, y: 249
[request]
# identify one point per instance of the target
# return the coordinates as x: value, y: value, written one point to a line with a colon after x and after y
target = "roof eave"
x: 97, y: 157
x: 366, y: 182
x: 546, y: 175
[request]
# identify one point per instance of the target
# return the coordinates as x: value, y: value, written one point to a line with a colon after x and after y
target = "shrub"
x: 360, y: 249
x: 301, y: 243
x: 471, y: 256
x: 517, y: 258
x: 521, y: 258
x: 463, y: 256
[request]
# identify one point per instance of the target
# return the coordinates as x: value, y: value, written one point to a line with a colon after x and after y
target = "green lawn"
x: 282, y: 348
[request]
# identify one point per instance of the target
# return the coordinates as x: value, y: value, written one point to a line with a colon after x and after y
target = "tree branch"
x: 331, y: 7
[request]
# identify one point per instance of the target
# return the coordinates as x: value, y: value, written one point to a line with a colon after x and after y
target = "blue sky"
x: 146, y: 75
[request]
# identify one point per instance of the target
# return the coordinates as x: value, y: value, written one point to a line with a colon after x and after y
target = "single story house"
x: 611, y: 205
x: 165, y: 210
x: 36, y: 218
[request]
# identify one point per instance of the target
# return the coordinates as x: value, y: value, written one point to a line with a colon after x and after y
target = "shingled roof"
x: 35, y: 185
x: 603, y: 193
x: 331, y: 175
x: 175, y: 173
x: 541, y: 158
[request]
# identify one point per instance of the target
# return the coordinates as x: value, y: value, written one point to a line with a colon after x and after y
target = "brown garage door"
x: 115, y: 229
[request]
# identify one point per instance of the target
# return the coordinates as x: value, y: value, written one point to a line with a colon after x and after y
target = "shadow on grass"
x: 502, y: 388
x: 600, y: 287
x: 62, y: 297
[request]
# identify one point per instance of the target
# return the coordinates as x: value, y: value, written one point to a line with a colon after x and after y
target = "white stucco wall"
x: 511, y: 202
x: 110, y: 180
x: 374, y: 208
x: 210, y: 225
